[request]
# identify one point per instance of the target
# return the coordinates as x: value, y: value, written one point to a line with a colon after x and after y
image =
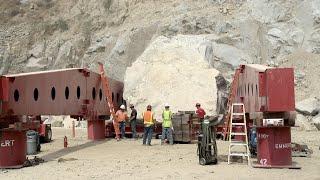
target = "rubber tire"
x: 48, y: 136
x: 215, y: 161
x: 39, y: 147
x: 202, y: 161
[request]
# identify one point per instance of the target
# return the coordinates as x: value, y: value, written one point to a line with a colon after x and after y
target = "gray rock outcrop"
x: 309, y: 106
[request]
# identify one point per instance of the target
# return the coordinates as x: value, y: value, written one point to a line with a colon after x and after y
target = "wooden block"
x: 185, y: 128
x: 186, y: 139
x: 185, y: 119
x: 177, y: 136
x: 176, y: 119
x: 186, y: 112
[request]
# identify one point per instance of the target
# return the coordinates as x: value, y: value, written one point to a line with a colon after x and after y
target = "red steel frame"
x: 76, y: 92
x: 266, y: 89
x: 268, y: 92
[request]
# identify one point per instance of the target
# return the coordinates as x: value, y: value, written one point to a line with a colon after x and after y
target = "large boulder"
x: 309, y: 106
x: 304, y: 123
x: 172, y: 70
x: 316, y: 121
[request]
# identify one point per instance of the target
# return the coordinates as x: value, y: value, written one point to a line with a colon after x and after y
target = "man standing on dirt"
x: 148, y: 121
x: 133, y: 121
x: 121, y: 117
x: 200, y: 113
x: 167, y: 125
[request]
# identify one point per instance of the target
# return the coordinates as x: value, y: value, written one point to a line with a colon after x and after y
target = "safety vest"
x: 148, y: 118
x: 166, y: 115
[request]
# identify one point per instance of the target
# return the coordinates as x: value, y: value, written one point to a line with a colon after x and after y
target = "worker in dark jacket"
x: 200, y: 113
x: 133, y: 121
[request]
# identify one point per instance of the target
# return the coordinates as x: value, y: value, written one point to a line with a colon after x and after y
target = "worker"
x: 148, y: 121
x: 133, y: 121
x: 167, y: 124
x: 121, y: 117
x: 200, y: 113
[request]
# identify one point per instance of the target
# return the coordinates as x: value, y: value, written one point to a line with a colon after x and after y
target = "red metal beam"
x: 58, y: 92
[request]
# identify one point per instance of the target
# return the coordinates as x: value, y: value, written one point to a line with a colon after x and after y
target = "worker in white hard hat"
x: 167, y: 124
x: 121, y: 117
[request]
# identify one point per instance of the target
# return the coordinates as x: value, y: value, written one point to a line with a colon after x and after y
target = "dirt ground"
x: 128, y: 159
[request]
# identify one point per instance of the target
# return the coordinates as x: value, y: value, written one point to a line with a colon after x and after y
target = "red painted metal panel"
x: 13, y: 148
x: 59, y: 92
x: 96, y: 129
x: 4, y: 89
x: 42, y: 130
x: 262, y: 84
x: 274, y: 146
x: 280, y: 89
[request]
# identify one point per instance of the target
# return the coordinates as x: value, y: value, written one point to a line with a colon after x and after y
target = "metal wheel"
x: 48, y: 135
x: 202, y: 161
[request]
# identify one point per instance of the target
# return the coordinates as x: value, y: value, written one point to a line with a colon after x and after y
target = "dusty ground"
x: 128, y: 159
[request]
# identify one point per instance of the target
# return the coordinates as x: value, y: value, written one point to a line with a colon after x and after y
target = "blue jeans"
x: 123, y: 129
x: 147, y: 136
x: 167, y: 132
x: 133, y: 125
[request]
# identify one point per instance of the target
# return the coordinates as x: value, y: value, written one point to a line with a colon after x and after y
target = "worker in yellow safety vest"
x: 167, y: 125
x: 148, y: 121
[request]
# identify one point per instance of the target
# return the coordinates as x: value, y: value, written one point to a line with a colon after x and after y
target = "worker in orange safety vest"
x: 149, y: 122
x: 121, y: 117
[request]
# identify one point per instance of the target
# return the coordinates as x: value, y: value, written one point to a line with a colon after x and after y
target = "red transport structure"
x: 268, y: 96
x: 76, y: 92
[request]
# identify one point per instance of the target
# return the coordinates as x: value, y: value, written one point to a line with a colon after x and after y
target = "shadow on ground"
x: 65, y: 151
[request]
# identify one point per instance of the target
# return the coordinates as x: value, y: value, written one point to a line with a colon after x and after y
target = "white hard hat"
x: 166, y: 105
x: 122, y: 107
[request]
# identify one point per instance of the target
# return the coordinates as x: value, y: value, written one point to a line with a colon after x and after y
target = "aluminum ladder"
x: 233, y: 143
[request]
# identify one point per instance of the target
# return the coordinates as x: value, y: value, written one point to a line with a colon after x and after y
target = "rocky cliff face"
x: 52, y: 34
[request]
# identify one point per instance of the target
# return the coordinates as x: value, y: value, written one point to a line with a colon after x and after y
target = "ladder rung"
x: 239, y: 124
x: 210, y: 144
x: 238, y: 143
x: 239, y: 134
x: 237, y: 104
x: 238, y: 154
x: 238, y: 114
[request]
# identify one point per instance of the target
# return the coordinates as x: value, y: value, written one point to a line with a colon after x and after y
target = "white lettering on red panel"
x: 283, y: 146
x: 263, y: 162
x: 263, y: 136
x: 7, y: 143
